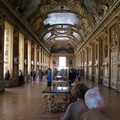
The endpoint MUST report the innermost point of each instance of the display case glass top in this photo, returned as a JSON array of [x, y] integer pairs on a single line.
[[57, 89]]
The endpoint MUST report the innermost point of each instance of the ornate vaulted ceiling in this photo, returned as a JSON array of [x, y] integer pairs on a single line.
[[62, 25]]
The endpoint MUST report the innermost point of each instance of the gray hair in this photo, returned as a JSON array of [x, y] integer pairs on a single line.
[[93, 97]]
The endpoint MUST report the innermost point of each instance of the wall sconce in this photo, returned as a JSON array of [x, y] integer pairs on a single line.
[[38, 63], [15, 59], [25, 61], [32, 62]]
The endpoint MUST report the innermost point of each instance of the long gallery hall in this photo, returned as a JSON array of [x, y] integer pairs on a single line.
[[62, 38], [25, 102]]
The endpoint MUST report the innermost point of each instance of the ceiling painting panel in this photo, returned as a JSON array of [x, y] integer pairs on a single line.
[[69, 21]]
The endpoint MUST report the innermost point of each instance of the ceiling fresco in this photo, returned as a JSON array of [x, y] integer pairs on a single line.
[[25, 7], [62, 48], [69, 21]]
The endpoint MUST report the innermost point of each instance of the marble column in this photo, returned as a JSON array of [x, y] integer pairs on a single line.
[[35, 57], [29, 56], [15, 79], [39, 58], [8, 56]]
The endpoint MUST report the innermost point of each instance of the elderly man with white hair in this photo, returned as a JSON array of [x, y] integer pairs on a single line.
[[95, 102]]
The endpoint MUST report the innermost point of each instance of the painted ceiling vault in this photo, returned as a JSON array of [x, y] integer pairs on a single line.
[[62, 25]]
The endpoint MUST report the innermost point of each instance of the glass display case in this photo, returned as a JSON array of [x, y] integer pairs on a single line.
[[60, 77], [56, 98], [60, 74]]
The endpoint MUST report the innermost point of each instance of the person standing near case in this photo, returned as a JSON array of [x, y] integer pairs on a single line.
[[7, 77], [49, 78]]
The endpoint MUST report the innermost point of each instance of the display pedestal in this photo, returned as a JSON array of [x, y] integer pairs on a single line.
[[48, 115], [55, 102]]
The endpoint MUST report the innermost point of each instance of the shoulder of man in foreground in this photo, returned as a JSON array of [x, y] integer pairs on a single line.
[[94, 115]]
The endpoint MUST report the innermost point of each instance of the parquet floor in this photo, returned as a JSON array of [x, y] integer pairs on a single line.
[[25, 101]]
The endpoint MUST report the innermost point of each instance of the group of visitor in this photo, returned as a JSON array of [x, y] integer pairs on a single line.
[[75, 73], [89, 104], [86, 104], [34, 74]]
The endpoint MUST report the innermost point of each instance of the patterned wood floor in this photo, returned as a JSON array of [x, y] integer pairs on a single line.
[[25, 101]]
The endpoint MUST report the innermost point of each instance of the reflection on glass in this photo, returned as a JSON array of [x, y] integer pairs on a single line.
[[60, 89], [57, 89]]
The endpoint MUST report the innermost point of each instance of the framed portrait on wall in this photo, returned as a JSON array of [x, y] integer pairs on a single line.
[[53, 62], [70, 61]]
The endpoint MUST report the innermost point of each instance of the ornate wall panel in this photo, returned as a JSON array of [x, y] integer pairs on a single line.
[[105, 61], [118, 38], [118, 41], [101, 58], [79, 60], [82, 60], [26, 50], [114, 57], [1, 54], [90, 63], [95, 60], [1, 40], [6, 55], [21, 52], [15, 80], [26, 57], [37, 58], [8, 50], [103, 65], [85, 62], [114, 69], [119, 72], [1, 77]]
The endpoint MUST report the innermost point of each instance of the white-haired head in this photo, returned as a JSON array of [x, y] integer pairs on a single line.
[[94, 99]]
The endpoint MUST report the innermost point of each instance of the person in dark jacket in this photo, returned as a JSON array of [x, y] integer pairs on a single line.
[[72, 76], [7, 79], [79, 74], [20, 77]]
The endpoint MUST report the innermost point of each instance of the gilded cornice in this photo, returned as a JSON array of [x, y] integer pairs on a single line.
[[15, 19], [112, 13]]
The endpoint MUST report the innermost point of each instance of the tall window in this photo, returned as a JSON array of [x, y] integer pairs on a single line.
[[62, 62]]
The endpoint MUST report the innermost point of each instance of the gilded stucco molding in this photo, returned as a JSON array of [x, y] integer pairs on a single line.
[[105, 21], [16, 20]]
